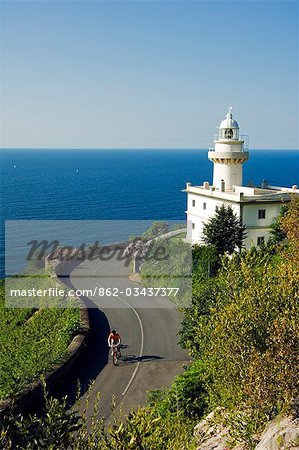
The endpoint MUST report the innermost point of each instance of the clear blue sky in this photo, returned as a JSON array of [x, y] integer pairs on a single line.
[[110, 74]]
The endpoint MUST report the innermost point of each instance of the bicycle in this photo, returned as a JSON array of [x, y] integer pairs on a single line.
[[115, 354]]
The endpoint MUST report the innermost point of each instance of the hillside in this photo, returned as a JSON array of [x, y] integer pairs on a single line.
[[242, 331], [31, 341]]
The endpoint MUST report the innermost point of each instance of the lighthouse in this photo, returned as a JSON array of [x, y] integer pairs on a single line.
[[228, 155], [257, 207]]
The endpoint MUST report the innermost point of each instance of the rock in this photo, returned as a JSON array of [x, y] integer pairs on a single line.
[[280, 434], [210, 435]]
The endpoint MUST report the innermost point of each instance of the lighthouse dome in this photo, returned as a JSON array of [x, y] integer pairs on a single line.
[[229, 122]]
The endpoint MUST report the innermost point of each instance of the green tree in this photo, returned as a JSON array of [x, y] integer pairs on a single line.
[[224, 230]]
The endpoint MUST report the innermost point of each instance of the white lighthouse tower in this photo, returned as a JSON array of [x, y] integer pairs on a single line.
[[228, 155]]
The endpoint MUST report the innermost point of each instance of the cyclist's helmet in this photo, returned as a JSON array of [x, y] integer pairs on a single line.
[[113, 331]]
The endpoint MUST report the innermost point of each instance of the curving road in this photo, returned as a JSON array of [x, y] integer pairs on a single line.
[[148, 326]]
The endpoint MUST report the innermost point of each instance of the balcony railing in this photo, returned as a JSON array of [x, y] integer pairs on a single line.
[[242, 137]]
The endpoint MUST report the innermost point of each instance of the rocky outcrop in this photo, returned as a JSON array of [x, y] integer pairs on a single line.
[[282, 433], [211, 435]]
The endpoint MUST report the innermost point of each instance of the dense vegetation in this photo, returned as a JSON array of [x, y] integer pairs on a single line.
[[32, 340], [242, 331], [244, 328], [144, 429]]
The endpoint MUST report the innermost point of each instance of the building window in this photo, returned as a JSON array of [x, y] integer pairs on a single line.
[[204, 206], [262, 214], [260, 240], [193, 225], [193, 202]]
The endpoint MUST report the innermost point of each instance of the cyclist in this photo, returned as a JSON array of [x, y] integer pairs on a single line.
[[114, 339]]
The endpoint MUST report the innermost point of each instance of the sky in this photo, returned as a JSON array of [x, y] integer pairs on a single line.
[[147, 74]]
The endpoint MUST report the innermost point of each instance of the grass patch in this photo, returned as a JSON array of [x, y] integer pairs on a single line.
[[29, 348]]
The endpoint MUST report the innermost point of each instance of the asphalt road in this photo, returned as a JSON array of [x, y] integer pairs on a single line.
[[151, 357]]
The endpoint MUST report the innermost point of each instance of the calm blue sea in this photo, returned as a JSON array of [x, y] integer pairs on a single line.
[[118, 184]]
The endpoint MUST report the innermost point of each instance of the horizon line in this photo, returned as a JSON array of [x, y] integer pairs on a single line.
[[136, 148]]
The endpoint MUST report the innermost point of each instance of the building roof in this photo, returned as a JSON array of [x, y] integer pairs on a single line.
[[242, 194]]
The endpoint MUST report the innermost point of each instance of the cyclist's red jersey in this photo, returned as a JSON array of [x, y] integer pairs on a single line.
[[115, 337]]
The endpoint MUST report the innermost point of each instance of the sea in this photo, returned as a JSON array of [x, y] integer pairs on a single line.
[[117, 185]]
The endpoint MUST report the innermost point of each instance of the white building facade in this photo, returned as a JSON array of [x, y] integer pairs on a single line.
[[257, 207]]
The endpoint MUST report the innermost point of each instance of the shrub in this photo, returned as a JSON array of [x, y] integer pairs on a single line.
[[157, 229], [186, 396]]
